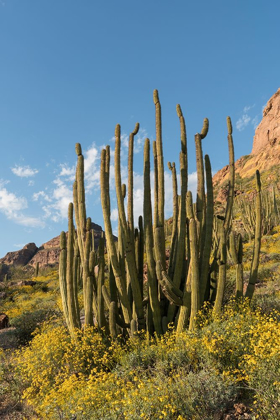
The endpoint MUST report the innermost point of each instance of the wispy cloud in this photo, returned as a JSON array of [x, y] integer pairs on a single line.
[[243, 122], [247, 118], [24, 171], [41, 195], [12, 206], [247, 108]]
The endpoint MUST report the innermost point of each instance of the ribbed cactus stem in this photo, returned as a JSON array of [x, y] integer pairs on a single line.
[[76, 279], [62, 276], [81, 194], [140, 253], [200, 197], [100, 282], [130, 254], [73, 322], [159, 231], [180, 251], [257, 241], [239, 268], [155, 185], [205, 128], [87, 278], [130, 182], [105, 201], [174, 236], [230, 198], [185, 309], [148, 232], [194, 267], [222, 270], [207, 242]]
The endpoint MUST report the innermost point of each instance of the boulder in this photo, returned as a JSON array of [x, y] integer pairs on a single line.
[[4, 321]]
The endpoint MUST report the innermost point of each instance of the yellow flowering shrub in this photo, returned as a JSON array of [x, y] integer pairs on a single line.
[[195, 375]]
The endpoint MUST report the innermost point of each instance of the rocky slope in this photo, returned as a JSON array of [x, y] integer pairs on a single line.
[[46, 255], [266, 146]]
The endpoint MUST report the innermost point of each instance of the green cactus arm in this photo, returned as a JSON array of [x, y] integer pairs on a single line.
[[140, 254], [159, 222], [112, 319], [130, 254], [87, 278], [222, 271], [155, 184], [232, 248], [200, 196], [174, 236], [148, 232], [105, 201], [100, 282], [185, 309], [230, 198], [257, 240], [207, 243], [73, 322], [194, 266], [239, 268], [130, 182], [180, 251], [205, 128], [62, 277], [76, 276], [77, 220], [172, 292]]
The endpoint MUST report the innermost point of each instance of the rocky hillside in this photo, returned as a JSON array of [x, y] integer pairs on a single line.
[[266, 148], [46, 255]]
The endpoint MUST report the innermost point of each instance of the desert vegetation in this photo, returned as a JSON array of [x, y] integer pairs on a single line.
[[175, 321]]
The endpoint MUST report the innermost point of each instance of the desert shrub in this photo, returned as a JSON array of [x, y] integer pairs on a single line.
[[196, 375], [27, 322]]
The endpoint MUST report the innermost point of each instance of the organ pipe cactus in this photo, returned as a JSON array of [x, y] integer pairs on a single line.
[[198, 250], [257, 240]]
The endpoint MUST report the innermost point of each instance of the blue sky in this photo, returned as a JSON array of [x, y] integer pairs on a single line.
[[71, 70]]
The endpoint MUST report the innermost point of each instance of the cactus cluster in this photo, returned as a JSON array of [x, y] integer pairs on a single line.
[[270, 212], [122, 301]]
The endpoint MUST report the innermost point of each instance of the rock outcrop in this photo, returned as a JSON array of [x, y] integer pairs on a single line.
[[21, 257], [266, 145], [46, 255], [268, 132]]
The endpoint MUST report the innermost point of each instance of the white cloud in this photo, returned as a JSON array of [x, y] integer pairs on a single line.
[[114, 215], [31, 183], [67, 171], [11, 206], [92, 168], [247, 108], [243, 122], [24, 171], [41, 194]]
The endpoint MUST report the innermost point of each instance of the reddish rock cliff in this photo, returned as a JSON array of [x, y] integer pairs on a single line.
[[266, 146], [268, 132]]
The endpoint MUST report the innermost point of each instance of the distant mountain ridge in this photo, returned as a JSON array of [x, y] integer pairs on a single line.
[[46, 255]]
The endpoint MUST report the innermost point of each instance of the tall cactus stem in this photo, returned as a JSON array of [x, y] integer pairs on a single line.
[[257, 240], [148, 232], [62, 277], [230, 199]]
